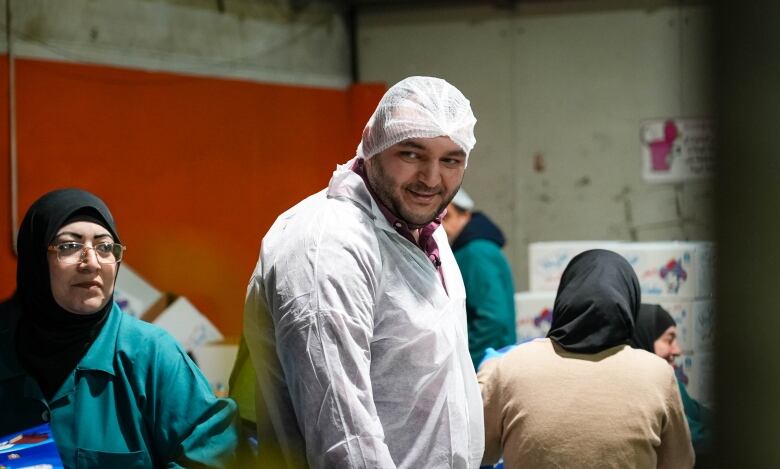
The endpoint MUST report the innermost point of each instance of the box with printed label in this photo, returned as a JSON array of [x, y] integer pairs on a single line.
[[533, 314], [671, 269], [135, 296], [703, 327], [187, 325], [695, 371]]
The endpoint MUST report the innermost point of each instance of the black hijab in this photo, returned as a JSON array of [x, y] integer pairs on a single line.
[[50, 341], [597, 301], [651, 322]]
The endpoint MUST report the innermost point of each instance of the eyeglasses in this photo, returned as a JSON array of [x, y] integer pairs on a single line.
[[74, 253]]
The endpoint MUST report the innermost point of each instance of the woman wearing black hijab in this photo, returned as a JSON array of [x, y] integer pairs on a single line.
[[581, 397], [116, 391], [656, 332]]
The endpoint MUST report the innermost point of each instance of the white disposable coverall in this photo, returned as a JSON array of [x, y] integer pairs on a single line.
[[356, 344]]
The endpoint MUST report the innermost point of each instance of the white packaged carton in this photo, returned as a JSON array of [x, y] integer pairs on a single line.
[[133, 294], [670, 269], [216, 360], [548, 260], [533, 314], [696, 373], [704, 324], [187, 325]]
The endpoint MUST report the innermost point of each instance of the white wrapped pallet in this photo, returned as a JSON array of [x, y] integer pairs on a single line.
[[703, 329], [671, 269], [187, 325], [533, 314], [548, 260], [696, 372], [134, 295]]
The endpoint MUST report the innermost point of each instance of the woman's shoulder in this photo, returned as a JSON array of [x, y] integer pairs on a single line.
[[140, 338], [645, 359], [646, 366]]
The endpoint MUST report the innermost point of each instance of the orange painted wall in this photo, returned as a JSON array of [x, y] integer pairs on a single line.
[[194, 169]]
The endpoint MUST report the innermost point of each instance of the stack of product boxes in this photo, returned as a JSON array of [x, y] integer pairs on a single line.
[[192, 329], [676, 275]]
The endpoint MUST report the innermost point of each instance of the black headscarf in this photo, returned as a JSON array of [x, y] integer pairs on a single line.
[[597, 301], [651, 322], [50, 340]]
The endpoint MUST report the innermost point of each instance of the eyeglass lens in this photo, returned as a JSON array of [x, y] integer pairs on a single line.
[[73, 253]]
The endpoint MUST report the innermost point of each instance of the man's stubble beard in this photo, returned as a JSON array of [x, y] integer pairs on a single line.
[[382, 187]]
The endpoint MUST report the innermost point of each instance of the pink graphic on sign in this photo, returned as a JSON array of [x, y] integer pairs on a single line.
[[661, 150]]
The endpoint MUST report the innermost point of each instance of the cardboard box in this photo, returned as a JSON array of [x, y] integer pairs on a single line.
[[696, 371], [137, 297], [187, 325], [533, 314], [671, 269], [704, 324], [548, 260], [215, 360]]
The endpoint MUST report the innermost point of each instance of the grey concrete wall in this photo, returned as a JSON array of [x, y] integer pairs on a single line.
[[250, 39], [559, 90]]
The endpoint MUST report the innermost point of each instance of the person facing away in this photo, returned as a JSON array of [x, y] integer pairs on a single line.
[[490, 293], [355, 315], [656, 332], [582, 397], [116, 391]]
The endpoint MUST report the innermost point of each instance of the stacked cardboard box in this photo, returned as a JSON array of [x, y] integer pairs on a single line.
[[191, 328], [676, 275]]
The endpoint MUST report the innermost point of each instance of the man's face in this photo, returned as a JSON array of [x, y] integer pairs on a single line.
[[418, 177]]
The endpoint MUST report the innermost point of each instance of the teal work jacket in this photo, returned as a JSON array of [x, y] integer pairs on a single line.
[[134, 400], [490, 297], [700, 420]]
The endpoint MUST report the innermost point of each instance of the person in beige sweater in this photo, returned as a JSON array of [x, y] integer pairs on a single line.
[[582, 397]]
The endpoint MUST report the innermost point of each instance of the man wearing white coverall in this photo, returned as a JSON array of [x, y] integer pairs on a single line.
[[355, 314]]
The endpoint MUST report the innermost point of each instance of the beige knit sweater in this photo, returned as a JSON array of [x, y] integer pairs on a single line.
[[548, 408]]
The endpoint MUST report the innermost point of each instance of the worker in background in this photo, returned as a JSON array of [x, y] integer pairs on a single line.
[[355, 317], [656, 332], [490, 293], [582, 397]]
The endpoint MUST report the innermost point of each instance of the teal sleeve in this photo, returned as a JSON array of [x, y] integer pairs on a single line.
[[699, 418], [489, 297], [191, 426]]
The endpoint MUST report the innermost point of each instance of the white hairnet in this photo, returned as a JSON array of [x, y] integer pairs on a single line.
[[419, 107], [463, 201]]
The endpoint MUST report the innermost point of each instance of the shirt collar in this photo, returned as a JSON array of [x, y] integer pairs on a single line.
[[100, 355]]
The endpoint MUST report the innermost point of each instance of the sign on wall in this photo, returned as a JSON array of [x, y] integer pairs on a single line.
[[675, 150]]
